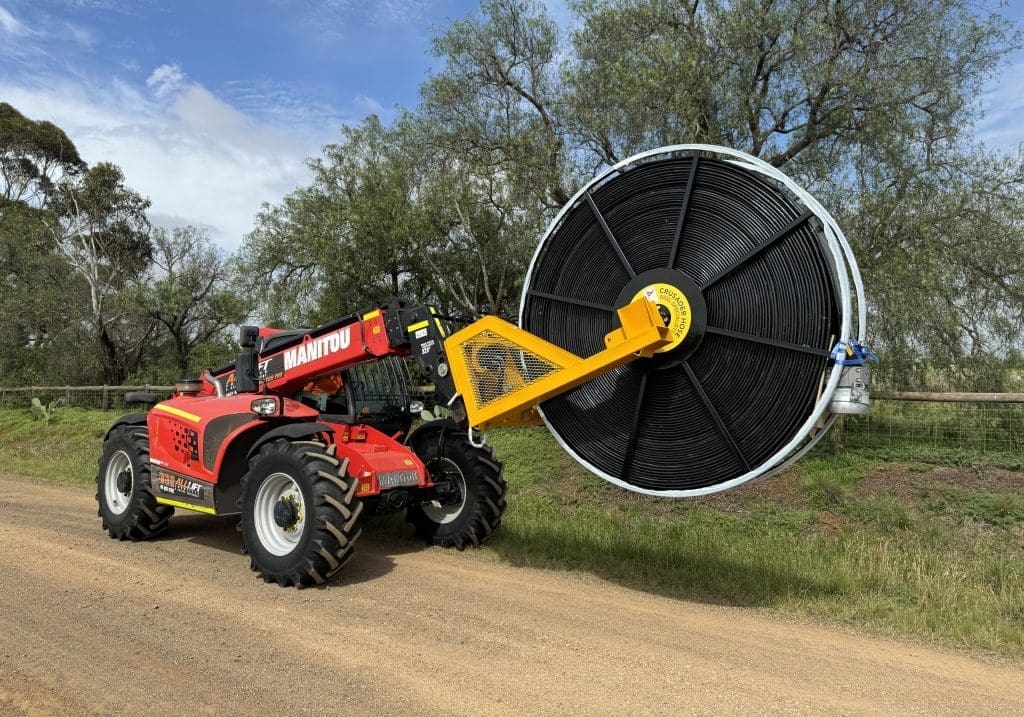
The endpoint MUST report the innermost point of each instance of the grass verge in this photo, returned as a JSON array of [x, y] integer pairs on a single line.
[[907, 543], [64, 449]]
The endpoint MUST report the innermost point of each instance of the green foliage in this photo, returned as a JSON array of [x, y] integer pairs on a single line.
[[33, 155], [191, 297], [129, 304], [495, 104], [343, 242], [437, 413], [815, 80], [44, 412], [41, 327], [381, 219], [65, 449]]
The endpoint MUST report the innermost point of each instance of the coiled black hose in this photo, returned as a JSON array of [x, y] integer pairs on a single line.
[[725, 402]]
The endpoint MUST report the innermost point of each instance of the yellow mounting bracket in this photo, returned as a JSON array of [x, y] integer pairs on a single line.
[[503, 372]]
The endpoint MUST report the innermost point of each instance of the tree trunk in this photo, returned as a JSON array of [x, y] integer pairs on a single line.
[[183, 356], [113, 366]]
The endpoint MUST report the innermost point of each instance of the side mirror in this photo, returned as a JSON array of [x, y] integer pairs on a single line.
[[247, 336]]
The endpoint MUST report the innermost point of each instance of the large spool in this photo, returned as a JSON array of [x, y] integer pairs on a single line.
[[757, 283]]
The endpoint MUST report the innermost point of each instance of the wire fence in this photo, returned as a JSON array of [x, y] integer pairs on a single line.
[[103, 398], [986, 423], [111, 398]]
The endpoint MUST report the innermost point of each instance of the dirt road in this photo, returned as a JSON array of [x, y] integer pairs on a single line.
[[180, 625]]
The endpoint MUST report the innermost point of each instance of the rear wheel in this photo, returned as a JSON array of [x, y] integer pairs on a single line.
[[127, 506], [300, 516], [470, 489]]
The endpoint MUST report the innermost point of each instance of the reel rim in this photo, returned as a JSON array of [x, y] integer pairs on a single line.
[[842, 265]]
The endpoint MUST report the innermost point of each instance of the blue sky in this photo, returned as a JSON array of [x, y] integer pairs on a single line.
[[211, 107]]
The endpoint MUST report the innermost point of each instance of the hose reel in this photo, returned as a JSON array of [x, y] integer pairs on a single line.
[[757, 286]]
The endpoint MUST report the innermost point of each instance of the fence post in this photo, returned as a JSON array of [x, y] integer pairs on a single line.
[[67, 396], [106, 398]]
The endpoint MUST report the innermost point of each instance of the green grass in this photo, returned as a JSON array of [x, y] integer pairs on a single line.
[[65, 449], [819, 542], [905, 542]]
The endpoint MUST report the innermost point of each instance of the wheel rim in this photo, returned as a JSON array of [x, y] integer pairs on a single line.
[[444, 514], [274, 538], [117, 501]]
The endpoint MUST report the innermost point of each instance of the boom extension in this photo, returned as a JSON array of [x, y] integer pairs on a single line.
[[489, 374], [502, 372]]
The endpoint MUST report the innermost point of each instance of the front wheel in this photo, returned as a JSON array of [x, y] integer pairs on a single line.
[[127, 506], [470, 489], [300, 516]]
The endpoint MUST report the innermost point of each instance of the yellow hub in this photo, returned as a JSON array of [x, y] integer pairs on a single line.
[[674, 309]]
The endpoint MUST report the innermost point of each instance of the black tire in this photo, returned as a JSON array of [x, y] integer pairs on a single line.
[[471, 522], [134, 515], [326, 505]]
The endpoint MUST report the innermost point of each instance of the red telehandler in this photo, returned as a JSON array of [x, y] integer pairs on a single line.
[[678, 335], [283, 437]]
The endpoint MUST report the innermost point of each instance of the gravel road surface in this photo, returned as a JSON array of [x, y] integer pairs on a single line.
[[180, 625]]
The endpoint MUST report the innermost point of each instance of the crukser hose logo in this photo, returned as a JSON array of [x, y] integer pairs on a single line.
[[674, 309]]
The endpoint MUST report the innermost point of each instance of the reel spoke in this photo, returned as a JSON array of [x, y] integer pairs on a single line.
[[674, 253], [767, 342], [714, 414], [569, 300], [634, 430], [780, 234], [609, 236]]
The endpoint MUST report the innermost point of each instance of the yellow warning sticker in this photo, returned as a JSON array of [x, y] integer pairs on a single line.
[[674, 309]]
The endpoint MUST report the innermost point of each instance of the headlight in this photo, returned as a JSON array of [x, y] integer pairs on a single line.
[[415, 407], [264, 406]]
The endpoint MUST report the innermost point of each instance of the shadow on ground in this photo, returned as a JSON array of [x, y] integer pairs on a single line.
[[704, 573], [381, 540]]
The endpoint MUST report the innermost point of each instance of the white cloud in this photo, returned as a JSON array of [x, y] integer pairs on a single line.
[[80, 34], [10, 24], [166, 79], [368, 105], [198, 158], [284, 104], [122, 6]]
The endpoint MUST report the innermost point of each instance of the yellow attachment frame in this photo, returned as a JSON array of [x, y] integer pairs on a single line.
[[503, 372]]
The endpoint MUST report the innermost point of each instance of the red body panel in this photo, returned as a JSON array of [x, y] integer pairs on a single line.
[[179, 430], [288, 370], [191, 435], [372, 453], [181, 440]]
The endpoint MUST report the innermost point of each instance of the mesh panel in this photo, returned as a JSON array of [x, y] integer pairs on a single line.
[[498, 367]]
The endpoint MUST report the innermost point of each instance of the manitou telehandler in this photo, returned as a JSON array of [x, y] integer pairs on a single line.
[[277, 435], [678, 335]]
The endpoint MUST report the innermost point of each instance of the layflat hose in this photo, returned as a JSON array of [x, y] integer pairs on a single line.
[[753, 275]]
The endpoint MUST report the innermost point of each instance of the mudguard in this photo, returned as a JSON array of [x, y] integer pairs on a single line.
[[293, 431], [129, 419]]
